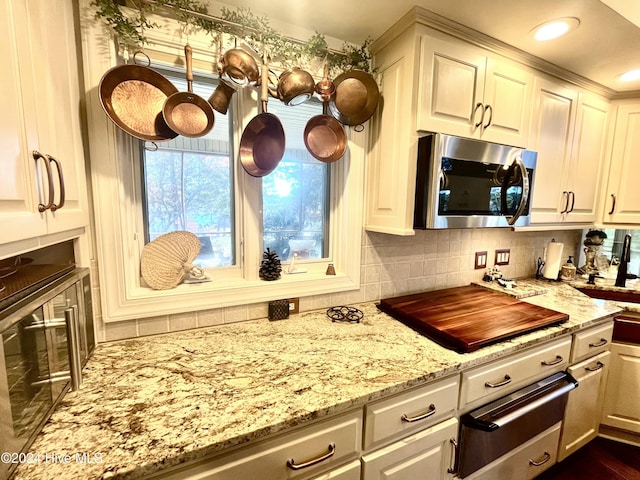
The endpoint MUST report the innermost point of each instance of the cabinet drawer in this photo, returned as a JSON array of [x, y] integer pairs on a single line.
[[498, 378], [591, 341], [525, 462], [430, 450], [336, 440], [411, 411], [351, 471]]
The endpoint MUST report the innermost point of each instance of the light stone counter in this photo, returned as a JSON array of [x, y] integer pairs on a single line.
[[154, 402]]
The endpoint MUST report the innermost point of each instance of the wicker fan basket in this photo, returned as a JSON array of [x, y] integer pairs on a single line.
[[167, 259]]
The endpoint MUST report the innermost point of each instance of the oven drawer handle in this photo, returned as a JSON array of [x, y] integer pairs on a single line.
[[432, 411], [558, 360], [506, 381], [601, 343], [298, 466], [545, 458], [598, 366]]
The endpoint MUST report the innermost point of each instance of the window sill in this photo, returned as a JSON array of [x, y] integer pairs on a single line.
[[145, 302]]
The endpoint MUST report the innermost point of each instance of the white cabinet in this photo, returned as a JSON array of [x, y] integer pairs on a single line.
[[621, 408], [622, 195], [525, 462], [569, 133], [428, 454], [41, 112], [463, 91], [582, 414], [488, 382], [591, 341], [301, 454]]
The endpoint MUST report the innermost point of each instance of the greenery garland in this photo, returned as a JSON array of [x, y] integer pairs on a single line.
[[256, 30]]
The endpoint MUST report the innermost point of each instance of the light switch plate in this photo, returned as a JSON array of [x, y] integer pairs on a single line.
[[502, 256], [481, 260]]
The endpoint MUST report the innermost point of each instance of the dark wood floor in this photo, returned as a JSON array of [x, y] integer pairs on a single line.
[[600, 459]]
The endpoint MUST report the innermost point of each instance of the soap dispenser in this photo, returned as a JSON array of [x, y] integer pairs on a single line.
[[568, 271]]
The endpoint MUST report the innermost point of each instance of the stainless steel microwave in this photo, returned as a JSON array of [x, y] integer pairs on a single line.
[[465, 183]]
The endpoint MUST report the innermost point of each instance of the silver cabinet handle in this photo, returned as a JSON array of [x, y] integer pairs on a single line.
[[73, 344], [432, 411], [506, 381], [475, 110], [598, 366], [60, 204], [545, 458], [601, 343], [454, 456], [558, 360], [613, 204], [37, 156], [298, 466], [490, 108]]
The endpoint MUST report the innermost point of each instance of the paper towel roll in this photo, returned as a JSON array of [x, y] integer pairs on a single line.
[[552, 260]]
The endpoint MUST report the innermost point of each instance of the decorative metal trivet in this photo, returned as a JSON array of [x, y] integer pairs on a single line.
[[345, 314]]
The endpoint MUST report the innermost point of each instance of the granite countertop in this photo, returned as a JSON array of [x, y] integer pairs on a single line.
[[154, 402]]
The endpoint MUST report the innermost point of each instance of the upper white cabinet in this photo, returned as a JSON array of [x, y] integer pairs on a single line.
[[43, 194], [569, 133], [622, 195], [463, 91]]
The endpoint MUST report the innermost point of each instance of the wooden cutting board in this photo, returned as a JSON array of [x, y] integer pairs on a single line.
[[468, 318]]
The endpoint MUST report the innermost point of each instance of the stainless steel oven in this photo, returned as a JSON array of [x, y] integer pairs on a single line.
[[499, 427], [47, 337]]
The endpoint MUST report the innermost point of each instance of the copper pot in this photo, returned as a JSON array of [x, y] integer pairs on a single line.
[[221, 97], [325, 138], [295, 86], [356, 97], [238, 67]]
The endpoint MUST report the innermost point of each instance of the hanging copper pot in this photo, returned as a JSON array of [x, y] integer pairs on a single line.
[[356, 97]]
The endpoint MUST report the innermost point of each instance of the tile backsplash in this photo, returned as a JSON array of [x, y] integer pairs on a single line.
[[391, 266]]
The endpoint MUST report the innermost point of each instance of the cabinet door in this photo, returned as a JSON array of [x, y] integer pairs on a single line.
[[589, 144], [18, 197], [622, 202], [450, 88], [508, 97], [426, 455], [551, 137], [582, 415], [48, 46], [621, 407]]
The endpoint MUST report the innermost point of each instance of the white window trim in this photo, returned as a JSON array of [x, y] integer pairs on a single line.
[[117, 204]]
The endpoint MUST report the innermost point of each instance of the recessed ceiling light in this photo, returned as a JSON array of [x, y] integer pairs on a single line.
[[630, 76], [555, 28]]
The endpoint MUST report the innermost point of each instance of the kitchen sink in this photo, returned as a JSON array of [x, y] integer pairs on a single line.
[[631, 295]]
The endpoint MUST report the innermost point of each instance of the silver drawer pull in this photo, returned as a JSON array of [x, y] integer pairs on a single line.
[[558, 360], [545, 458], [298, 466], [598, 366], [601, 343], [507, 380], [454, 456], [432, 411]]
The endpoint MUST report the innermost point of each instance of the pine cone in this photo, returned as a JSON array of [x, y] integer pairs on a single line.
[[270, 267]]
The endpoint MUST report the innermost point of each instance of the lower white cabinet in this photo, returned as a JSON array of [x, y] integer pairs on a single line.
[[351, 471], [621, 407], [302, 455], [427, 455], [582, 415], [525, 462]]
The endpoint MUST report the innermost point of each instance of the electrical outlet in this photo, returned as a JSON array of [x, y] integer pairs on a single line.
[[294, 305], [502, 256], [481, 260]]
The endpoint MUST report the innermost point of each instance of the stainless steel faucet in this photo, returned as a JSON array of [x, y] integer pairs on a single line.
[[625, 258]]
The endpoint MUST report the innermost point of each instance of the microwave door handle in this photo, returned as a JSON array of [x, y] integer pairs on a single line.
[[517, 162]]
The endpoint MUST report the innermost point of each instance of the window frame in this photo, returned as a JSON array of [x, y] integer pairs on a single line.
[[115, 161]]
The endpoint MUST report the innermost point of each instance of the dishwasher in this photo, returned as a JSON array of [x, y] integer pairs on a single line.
[[493, 430]]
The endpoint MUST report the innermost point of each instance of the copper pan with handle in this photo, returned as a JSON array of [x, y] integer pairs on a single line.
[[186, 113], [132, 96], [356, 97], [262, 143], [324, 136]]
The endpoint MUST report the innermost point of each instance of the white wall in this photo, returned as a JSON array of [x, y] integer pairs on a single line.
[[391, 266]]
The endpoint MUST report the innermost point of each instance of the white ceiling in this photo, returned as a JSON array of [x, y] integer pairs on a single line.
[[605, 44]]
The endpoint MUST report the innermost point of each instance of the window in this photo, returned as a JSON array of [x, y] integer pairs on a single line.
[[304, 200]]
